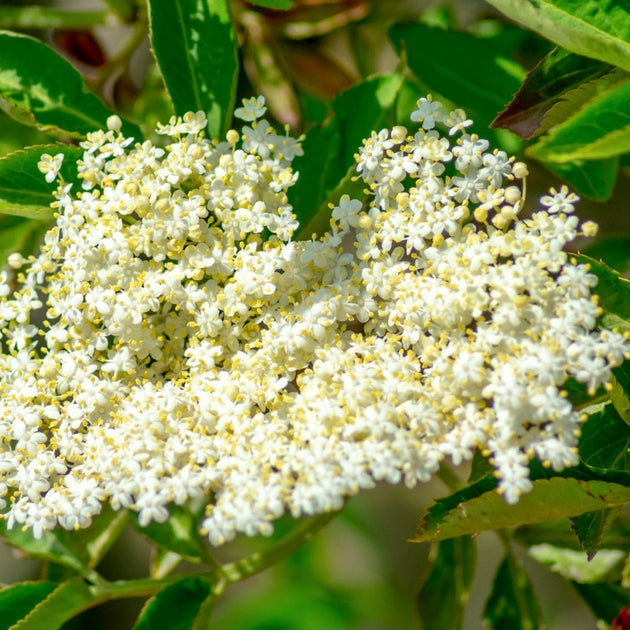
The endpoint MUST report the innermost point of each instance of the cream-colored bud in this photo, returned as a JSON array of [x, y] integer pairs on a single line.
[[590, 229], [399, 133], [114, 123], [232, 137], [513, 194]]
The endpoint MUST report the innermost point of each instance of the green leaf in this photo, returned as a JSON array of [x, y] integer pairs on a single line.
[[18, 235], [480, 80], [195, 46], [574, 565], [444, 594], [273, 4], [40, 88], [559, 85], [176, 607], [599, 130], [18, 600], [180, 533], [620, 392], [327, 166], [24, 190], [594, 179], [605, 600], [612, 249], [584, 27], [478, 508], [625, 573], [589, 528], [512, 604], [605, 441], [67, 600], [613, 291]]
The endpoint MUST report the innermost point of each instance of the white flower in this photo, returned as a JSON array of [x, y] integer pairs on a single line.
[[253, 108], [50, 166]]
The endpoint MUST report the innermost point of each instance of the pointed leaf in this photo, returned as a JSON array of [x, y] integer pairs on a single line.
[[194, 43], [18, 600], [512, 604], [67, 600], [584, 27], [444, 594], [473, 510], [574, 565], [176, 607], [600, 129], [40, 88], [589, 528], [594, 179], [24, 190], [561, 81], [480, 80]]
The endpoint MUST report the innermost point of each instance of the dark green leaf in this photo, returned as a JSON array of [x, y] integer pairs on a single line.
[[561, 80], [605, 600], [40, 88], [620, 392], [480, 80], [195, 46], [178, 534], [327, 166], [600, 129], [589, 528], [613, 291], [68, 599], [24, 190], [274, 4], [478, 508], [444, 594], [176, 607], [605, 441], [611, 249], [479, 468], [594, 179], [18, 600], [512, 604], [584, 27]]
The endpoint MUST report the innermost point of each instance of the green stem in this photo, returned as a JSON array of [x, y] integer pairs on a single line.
[[43, 17], [257, 562]]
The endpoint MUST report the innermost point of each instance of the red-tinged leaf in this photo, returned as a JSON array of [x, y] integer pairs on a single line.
[[561, 80]]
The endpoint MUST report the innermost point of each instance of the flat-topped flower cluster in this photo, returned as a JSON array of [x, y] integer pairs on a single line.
[[172, 342]]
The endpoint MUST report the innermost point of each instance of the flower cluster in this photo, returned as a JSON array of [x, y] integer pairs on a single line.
[[172, 342]]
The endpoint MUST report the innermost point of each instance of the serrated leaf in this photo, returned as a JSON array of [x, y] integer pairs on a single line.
[[474, 509], [583, 27], [605, 441], [594, 179], [176, 607], [561, 82], [512, 604], [17, 600], [480, 80], [194, 43], [329, 148], [599, 130], [574, 565], [41, 89], [68, 599], [589, 529], [23, 189], [178, 534], [445, 592], [605, 600], [613, 291]]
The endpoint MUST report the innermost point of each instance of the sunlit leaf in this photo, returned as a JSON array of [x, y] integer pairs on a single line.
[[574, 565], [445, 592], [479, 508], [195, 46], [273, 4], [176, 607], [512, 604], [40, 88], [583, 27], [599, 130]]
